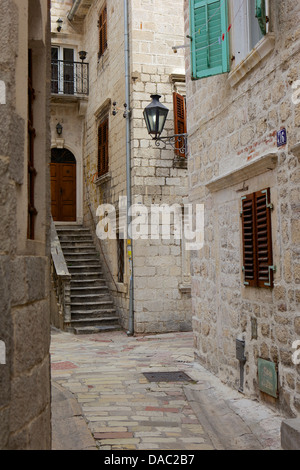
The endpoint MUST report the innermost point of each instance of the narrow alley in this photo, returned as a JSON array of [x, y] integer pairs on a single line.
[[115, 405]]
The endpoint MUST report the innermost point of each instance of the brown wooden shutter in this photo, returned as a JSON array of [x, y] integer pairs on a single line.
[[103, 148], [257, 239], [249, 248], [102, 31], [264, 239], [179, 119]]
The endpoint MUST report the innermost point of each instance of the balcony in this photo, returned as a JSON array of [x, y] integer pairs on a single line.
[[69, 79]]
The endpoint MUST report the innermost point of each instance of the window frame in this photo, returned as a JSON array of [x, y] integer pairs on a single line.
[[120, 258], [223, 67], [180, 121], [64, 85], [245, 23], [103, 147], [102, 25], [258, 268]]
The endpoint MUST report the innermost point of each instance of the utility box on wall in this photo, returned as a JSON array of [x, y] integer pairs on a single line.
[[267, 377]]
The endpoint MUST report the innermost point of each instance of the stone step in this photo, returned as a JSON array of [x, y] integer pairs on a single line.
[[74, 233], [88, 289], [83, 261], [75, 239], [92, 309], [84, 255], [86, 276], [89, 330], [89, 298], [72, 249], [85, 269], [66, 246], [97, 313], [92, 282], [88, 319], [71, 229], [86, 306]]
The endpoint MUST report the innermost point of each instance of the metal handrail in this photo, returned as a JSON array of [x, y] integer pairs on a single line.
[[69, 78]]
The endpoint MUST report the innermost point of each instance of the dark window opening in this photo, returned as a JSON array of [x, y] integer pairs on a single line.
[[102, 31], [120, 254], [32, 212], [103, 148]]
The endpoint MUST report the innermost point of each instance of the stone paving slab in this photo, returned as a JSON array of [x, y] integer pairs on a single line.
[[124, 411]]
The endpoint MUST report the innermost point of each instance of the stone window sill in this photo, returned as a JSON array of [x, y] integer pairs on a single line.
[[254, 168], [103, 179], [258, 53]]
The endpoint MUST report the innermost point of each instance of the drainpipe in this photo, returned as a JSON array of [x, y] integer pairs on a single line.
[[73, 10], [127, 113]]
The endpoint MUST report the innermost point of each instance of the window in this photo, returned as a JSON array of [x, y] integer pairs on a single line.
[[120, 254], [248, 29], [210, 31], [102, 31], [103, 148], [257, 239], [179, 121], [62, 70], [209, 48]]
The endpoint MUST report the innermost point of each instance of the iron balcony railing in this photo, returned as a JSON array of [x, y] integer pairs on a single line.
[[69, 78]]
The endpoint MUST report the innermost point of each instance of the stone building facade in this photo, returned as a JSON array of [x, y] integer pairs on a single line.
[[238, 120], [161, 273], [24, 234]]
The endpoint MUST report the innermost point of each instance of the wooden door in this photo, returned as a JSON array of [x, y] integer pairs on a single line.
[[63, 190]]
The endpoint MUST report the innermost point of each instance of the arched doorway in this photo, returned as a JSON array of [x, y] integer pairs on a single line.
[[63, 185]]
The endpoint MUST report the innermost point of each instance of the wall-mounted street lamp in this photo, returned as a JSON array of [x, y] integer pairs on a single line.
[[59, 24], [59, 129], [82, 55], [155, 115]]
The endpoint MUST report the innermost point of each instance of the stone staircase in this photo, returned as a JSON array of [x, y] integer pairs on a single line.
[[92, 310]]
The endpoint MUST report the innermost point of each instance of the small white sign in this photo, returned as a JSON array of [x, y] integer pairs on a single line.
[[2, 92]]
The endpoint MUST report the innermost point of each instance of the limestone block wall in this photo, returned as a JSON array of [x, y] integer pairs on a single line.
[[25, 412], [159, 266], [107, 85], [231, 125]]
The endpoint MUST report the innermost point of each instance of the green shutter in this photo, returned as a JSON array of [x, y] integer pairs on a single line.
[[260, 13], [208, 22]]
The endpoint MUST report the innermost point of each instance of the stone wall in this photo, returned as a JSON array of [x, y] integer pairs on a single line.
[[159, 266], [24, 264], [232, 123]]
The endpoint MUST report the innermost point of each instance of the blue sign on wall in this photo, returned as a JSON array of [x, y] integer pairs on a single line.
[[281, 137]]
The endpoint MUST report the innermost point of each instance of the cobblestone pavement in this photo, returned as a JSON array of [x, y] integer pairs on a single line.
[[125, 410]]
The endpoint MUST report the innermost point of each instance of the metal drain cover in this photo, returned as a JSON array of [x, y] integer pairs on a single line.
[[167, 377]]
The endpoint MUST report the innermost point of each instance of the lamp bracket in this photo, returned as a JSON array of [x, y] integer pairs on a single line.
[[177, 141]]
